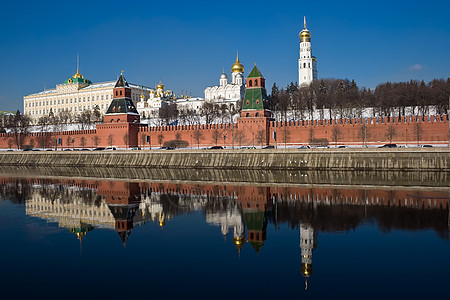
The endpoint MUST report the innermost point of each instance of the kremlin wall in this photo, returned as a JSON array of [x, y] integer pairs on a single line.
[[255, 127]]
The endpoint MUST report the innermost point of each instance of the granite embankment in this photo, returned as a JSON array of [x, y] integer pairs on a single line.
[[413, 159]]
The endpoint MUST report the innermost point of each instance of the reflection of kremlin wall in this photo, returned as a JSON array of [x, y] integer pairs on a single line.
[[121, 205]]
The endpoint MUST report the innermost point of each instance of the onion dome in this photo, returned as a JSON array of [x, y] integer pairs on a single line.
[[305, 35], [237, 67], [223, 76], [160, 86], [239, 242]]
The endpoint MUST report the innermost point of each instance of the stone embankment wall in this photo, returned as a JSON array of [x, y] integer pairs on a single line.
[[419, 159]]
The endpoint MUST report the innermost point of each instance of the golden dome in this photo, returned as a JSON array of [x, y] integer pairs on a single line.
[[78, 75], [237, 67], [305, 35], [160, 86]]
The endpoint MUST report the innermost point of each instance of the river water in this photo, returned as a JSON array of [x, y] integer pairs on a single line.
[[197, 234]]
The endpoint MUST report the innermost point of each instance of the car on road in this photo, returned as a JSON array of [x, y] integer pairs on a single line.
[[215, 147], [99, 149], [427, 146], [111, 148], [304, 147], [342, 147], [136, 148], [269, 147], [388, 146]]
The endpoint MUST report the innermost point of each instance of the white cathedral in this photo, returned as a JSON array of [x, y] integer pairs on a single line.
[[228, 93], [307, 64]]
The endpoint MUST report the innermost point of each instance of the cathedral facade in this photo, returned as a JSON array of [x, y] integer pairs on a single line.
[[229, 93], [307, 64]]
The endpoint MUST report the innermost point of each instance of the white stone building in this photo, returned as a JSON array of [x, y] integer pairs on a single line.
[[75, 95], [150, 103], [307, 64], [228, 93]]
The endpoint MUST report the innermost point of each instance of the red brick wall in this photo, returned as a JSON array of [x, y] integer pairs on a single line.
[[434, 131]]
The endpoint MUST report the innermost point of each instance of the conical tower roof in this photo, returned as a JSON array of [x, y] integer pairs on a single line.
[[121, 82]]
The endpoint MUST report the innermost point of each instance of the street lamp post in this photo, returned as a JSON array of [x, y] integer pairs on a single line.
[[224, 138]]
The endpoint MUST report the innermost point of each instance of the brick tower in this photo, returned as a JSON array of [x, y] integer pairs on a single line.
[[255, 114], [122, 120]]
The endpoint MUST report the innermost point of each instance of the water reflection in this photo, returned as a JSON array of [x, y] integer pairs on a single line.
[[240, 211]]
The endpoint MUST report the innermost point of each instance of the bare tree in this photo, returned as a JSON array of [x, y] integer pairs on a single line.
[[110, 140], [210, 111], [311, 134], [178, 136], [168, 113], [85, 119], [215, 136], [418, 132], [261, 137], [97, 114], [364, 134], [335, 135], [83, 141], [126, 139], [160, 139], [43, 124], [239, 137], [285, 136], [197, 135], [391, 133], [19, 125], [96, 141], [10, 143]]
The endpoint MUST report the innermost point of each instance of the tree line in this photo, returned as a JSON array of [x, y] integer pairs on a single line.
[[342, 98]]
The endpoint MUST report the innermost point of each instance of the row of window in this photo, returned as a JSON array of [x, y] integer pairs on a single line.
[[75, 109], [67, 101]]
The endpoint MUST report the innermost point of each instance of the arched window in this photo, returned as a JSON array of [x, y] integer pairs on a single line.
[[247, 115], [256, 82], [257, 115], [304, 65], [250, 82]]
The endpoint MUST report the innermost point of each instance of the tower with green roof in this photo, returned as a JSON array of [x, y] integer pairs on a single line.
[[255, 103], [255, 113]]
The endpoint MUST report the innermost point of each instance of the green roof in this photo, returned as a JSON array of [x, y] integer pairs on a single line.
[[255, 73], [255, 221], [121, 106], [255, 99], [77, 80]]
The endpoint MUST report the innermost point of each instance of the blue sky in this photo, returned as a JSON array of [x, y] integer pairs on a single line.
[[187, 43]]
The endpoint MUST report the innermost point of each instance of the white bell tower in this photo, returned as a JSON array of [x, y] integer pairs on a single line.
[[307, 64]]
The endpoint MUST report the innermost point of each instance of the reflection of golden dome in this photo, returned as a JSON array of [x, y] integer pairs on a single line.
[[239, 242], [237, 67], [160, 86], [161, 221]]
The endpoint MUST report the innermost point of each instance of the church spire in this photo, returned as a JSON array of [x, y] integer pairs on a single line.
[[304, 22]]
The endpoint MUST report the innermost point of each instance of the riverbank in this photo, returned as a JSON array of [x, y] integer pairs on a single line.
[[419, 159]]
